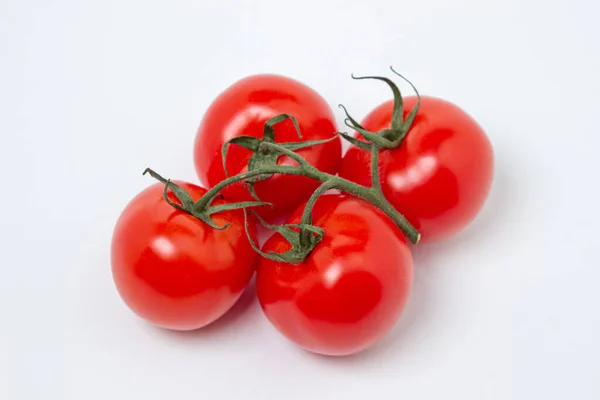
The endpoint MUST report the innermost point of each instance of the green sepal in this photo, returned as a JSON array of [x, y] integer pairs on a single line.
[[298, 252], [392, 137], [247, 142], [250, 187], [236, 206], [398, 102], [309, 143], [264, 156], [183, 196], [372, 137], [356, 142], [349, 117], [269, 130], [410, 118], [197, 209]]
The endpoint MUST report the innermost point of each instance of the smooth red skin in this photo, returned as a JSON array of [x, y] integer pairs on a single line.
[[440, 177], [350, 290], [174, 270], [242, 109]]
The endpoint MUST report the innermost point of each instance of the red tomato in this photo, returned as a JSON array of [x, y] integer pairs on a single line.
[[174, 270], [440, 176], [242, 109], [350, 290]]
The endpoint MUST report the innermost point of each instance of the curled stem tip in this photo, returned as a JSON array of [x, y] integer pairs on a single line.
[[406, 80]]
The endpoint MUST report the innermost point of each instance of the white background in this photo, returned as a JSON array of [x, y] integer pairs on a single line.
[[91, 93]]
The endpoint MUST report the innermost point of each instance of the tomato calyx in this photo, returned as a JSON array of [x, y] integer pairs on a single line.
[[303, 238], [264, 156], [200, 209], [387, 138]]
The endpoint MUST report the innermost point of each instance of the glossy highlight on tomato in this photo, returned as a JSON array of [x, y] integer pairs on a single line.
[[242, 109], [441, 174], [174, 270], [350, 290]]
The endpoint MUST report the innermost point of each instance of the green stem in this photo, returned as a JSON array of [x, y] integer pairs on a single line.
[[372, 195], [307, 213], [375, 179], [384, 205], [209, 196], [305, 236], [305, 165], [399, 127]]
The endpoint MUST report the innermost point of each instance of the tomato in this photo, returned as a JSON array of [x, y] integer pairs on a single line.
[[350, 290], [174, 270], [441, 174], [242, 109]]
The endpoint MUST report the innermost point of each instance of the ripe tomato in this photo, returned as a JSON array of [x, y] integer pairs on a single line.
[[440, 176], [350, 290], [242, 109], [174, 270]]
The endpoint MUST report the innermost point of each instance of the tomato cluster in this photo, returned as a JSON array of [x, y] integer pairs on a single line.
[[337, 275]]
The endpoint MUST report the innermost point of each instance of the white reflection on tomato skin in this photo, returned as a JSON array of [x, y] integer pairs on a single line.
[[412, 176], [332, 275], [163, 247]]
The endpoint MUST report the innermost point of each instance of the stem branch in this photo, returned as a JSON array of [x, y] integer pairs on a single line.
[[372, 194], [376, 181], [307, 213], [276, 169]]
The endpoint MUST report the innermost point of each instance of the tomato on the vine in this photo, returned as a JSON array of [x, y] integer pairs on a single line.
[[174, 270], [242, 109], [352, 287], [440, 175]]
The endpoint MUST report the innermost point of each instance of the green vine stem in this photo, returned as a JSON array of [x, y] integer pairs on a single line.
[[375, 179], [204, 211], [393, 137], [303, 237], [371, 194]]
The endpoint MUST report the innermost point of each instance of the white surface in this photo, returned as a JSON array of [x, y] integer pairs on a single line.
[[93, 92]]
